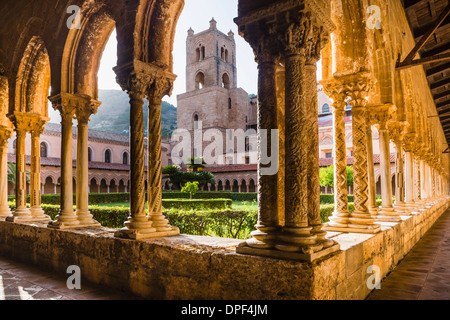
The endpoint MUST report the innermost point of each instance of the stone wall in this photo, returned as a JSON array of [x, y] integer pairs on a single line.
[[195, 267]]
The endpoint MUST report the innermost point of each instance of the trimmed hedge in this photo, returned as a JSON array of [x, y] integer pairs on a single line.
[[235, 196], [213, 222], [196, 204]]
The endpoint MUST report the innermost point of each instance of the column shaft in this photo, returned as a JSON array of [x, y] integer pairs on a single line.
[[296, 201], [35, 181], [5, 211], [154, 167], [268, 221], [82, 187], [371, 170], [385, 168], [21, 176], [340, 214]]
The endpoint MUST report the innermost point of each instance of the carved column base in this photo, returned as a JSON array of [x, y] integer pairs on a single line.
[[387, 215], [5, 212], [142, 228], [373, 211], [297, 254], [140, 234], [85, 219], [65, 221], [402, 209], [20, 215], [289, 243], [160, 223], [353, 223], [39, 215]]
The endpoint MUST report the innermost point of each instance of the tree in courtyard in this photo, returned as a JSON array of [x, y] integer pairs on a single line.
[[326, 176], [191, 188]]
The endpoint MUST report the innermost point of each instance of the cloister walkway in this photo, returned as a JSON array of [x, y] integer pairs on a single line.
[[19, 281], [424, 273]]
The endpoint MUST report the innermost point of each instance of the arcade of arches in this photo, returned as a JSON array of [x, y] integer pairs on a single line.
[[293, 253]]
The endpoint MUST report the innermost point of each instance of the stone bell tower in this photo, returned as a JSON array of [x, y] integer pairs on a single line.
[[211, 59], [212, 97]]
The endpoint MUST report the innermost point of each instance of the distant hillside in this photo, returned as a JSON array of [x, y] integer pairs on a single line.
[[114, 114]]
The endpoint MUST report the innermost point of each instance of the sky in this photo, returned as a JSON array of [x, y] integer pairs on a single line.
[[196, 15]]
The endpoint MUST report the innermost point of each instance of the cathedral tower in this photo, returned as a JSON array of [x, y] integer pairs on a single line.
[[212, 96]]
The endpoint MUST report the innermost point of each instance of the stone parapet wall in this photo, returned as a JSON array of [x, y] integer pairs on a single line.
[[196, 267]]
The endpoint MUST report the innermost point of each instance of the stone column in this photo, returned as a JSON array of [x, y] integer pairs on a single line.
[[357, 87], [5, 134], [138, 225], [35, 176], [83, 113], [387, 212], [340, 217], [268, 212], [161, 86], [297, 229], [423, 179], [373, 210], [296, 33], [312, 122], [66, 105], [21, 213], [410, 183]]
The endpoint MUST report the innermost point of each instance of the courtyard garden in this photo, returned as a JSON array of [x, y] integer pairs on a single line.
[[220, 214]]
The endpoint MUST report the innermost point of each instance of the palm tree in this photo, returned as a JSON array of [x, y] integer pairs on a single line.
[[12, 173]]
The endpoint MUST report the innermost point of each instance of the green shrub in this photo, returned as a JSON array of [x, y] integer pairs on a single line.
[[220, 223], [196, 204]]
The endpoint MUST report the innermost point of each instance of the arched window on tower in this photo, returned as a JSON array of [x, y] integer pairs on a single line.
[[199, 80], [326, 108], [229, 103], [226, 56], [89, 154], [225, 81], [197, 56], [196, 119], [125, 158], [108, 156], [43, 150], [222, 53], [203, 53]]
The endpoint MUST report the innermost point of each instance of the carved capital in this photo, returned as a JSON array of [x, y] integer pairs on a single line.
[[29, 122], [5, 133], [335, 91], [291, 26], [142, 79], [382, 114], [357, 87], [83, 113], [161, 86]]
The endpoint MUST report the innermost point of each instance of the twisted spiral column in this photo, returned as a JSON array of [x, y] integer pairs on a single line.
[[360, 220], [159, 222], [138, 222], [340, 216]]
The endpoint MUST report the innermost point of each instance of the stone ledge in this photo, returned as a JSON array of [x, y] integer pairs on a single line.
[[196, 267]]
